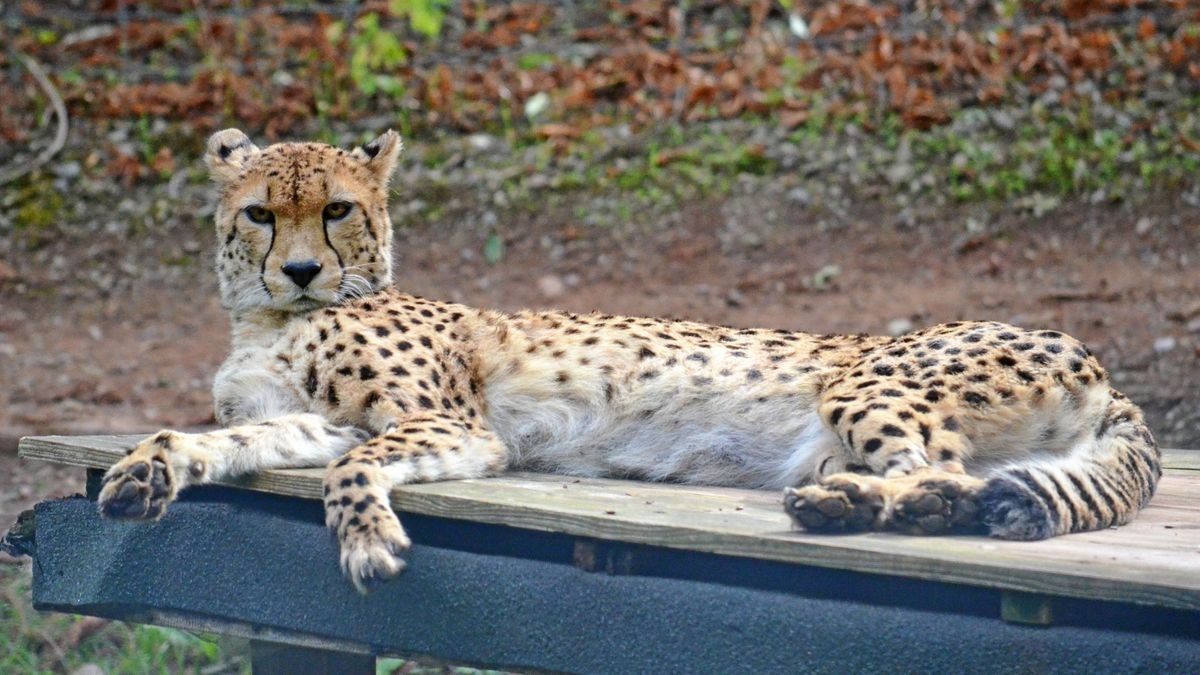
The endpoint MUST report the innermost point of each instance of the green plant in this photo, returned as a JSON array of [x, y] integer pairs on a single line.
[[373, 52], [425, 16]]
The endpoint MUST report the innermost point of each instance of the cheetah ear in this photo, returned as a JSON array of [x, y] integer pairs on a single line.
[[380, 155], [227, 153]]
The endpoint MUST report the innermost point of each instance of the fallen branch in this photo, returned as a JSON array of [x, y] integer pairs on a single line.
[[1080, 296], [60, 111]]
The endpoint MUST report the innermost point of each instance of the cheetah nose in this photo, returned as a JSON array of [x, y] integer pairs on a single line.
[[302, 272]]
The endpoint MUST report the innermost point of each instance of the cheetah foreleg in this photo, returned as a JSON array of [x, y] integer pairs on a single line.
[[148, 479], [415, 448]]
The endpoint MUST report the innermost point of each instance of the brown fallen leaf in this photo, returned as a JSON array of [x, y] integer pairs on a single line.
[[556, 130], [83, 629]]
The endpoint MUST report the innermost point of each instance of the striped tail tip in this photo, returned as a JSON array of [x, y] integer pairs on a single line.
[[1011, 510]]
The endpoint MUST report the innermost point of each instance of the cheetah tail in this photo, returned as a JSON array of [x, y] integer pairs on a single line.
[[1102, 483]]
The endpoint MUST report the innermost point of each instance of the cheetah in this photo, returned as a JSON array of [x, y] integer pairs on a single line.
[[961, 427]]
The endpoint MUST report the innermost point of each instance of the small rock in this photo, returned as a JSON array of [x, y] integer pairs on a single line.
[[1003, 120], [824, 277], [900, 172], [88, 669], [1143, 226], [481, 142], [899, 326], [1164, 344], [551, 286], [1183, 314], [799, 196], [67, 170]]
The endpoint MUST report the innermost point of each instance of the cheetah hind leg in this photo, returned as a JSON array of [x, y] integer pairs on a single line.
[[927, 501]]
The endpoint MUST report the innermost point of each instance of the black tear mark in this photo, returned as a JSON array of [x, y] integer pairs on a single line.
[[369, 227]]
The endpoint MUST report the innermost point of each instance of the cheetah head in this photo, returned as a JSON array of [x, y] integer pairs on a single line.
[[301, 225]]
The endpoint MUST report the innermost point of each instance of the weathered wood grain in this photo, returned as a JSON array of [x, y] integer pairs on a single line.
[[1154, 561]]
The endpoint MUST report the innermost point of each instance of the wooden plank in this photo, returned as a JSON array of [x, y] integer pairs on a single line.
[[1181, 460], [1154, 561]]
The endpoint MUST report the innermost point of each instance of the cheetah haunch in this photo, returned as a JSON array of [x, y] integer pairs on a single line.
[[958, 427]]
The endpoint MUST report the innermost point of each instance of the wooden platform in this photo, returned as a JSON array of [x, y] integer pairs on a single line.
[[1154, 561]]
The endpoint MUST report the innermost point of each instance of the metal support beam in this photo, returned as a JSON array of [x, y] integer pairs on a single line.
[[274, 658], [1031, 609]]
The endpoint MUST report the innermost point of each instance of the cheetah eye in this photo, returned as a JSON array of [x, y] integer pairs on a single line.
[[336, 210], [260, 215]]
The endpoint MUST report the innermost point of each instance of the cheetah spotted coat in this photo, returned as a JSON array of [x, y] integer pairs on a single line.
[[960, 427]]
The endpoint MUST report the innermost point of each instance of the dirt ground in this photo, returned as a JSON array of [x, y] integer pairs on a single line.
[[1124, 280]]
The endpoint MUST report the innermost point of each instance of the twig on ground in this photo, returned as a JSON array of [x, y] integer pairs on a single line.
[[60, 112]]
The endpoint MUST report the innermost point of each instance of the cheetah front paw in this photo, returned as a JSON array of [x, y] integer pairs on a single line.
[[140, 486], [370, 536], [840, 503]]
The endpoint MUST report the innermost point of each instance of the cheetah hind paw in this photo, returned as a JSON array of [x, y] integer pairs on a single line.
[[840, 503], [937, 506]]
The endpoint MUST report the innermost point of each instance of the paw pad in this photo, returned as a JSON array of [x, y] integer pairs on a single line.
[[140, 490], [935, 507], [826, 508]]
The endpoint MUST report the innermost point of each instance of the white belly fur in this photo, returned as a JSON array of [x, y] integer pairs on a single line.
[[712, 441]]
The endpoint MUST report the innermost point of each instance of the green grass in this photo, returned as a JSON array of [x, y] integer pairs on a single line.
[[47, 642]]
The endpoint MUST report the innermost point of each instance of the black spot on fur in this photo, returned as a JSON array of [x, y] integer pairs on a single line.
[[310, 383], [976, 399]]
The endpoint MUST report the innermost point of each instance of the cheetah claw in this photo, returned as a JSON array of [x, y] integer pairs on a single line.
[[370, 550]]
